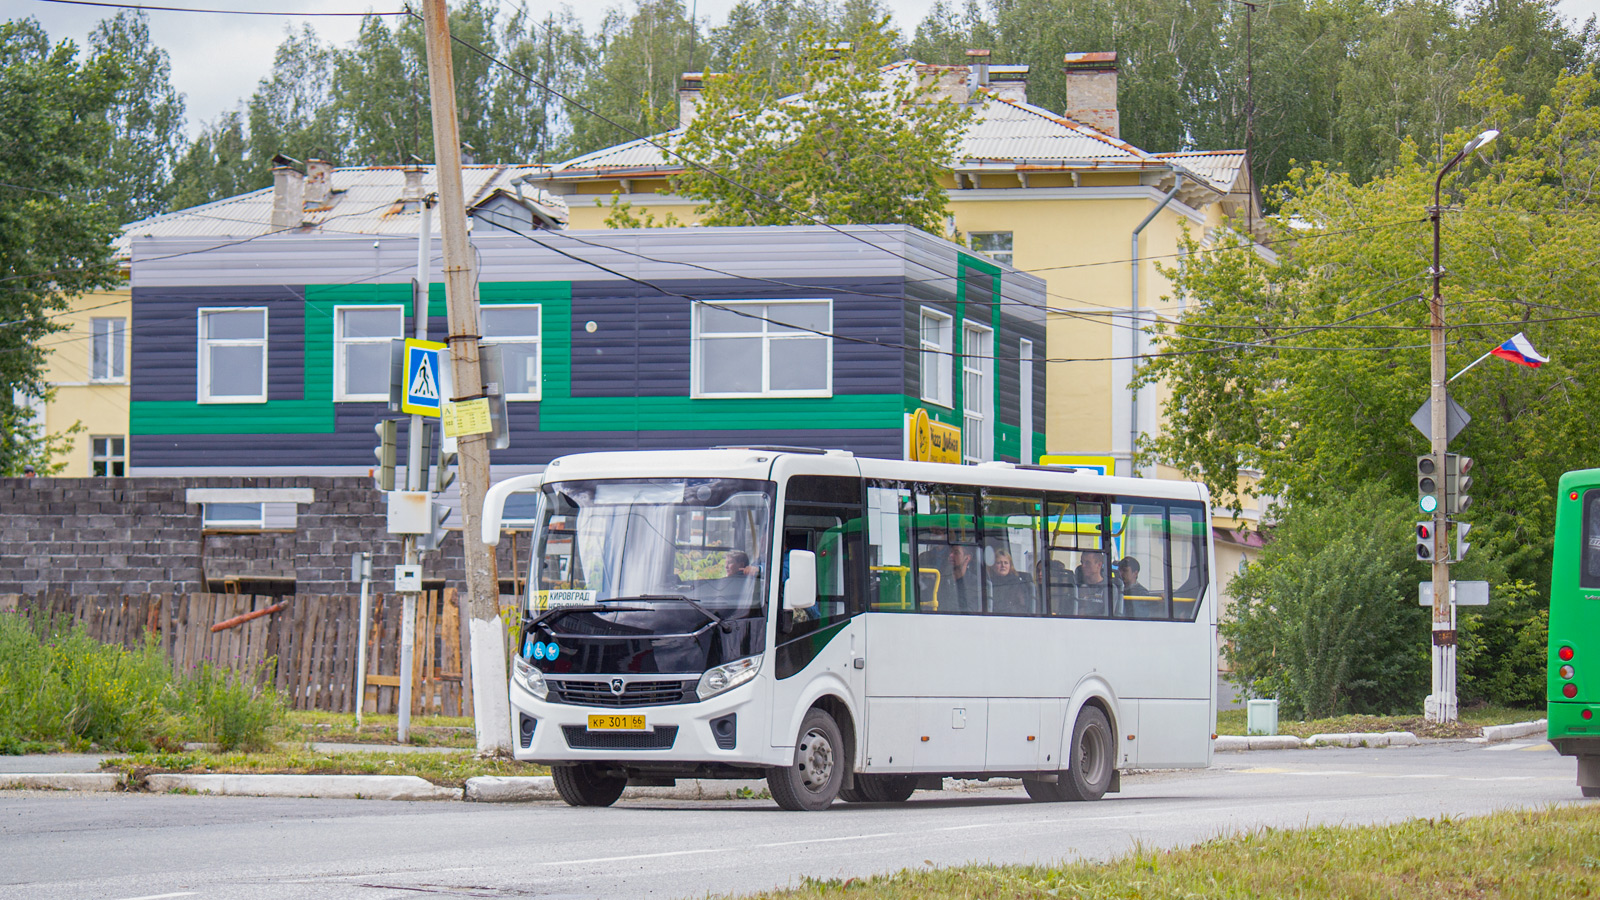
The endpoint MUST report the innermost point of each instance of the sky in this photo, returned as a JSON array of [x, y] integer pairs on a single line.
[[218, 59]]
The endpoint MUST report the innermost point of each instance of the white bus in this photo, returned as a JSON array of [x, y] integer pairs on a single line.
[[859, 628]]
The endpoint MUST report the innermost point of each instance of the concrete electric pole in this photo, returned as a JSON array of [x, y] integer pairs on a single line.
[[491, 708]]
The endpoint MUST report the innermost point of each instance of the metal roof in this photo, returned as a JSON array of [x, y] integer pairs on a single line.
[[1219, 168], [1003, 131], [364, 200]]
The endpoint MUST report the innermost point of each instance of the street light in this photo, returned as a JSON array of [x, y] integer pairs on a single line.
[[1441, 706]]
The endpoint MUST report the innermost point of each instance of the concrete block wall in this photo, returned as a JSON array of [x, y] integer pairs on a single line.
[[106, 536]]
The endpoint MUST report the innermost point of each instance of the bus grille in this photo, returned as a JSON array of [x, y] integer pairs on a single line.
[[634, 693], [580, 738]]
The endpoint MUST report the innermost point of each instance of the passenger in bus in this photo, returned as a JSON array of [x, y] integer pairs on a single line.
[[1096, 594], [961, 591], [737, 564], [1128, 571], [1012, 590]]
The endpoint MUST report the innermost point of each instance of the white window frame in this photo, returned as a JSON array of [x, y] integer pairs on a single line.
[[977, 420], [538, 347], [109, 458], [209, 524], [114, 352], [340, 342], [699, 338], [938, 357], [202, 344], [999, 256]]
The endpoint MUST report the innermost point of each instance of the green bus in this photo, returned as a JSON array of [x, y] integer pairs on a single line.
[[1574, 676]]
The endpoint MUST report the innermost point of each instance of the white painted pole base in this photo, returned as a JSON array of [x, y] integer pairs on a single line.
[[1441, 704], [408, 645], [491, 701]]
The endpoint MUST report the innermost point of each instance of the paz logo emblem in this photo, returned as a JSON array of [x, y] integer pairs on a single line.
[[616, 686]]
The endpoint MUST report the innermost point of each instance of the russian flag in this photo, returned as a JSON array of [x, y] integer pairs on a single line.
[[1520, 351]]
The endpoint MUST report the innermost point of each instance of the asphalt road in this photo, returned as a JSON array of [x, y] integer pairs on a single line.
[[124, 846]]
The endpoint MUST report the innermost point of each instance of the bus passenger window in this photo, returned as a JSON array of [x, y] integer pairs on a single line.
[[1188, 562], [1589, 573], [891, 564], [1141, 572], [1011, 553]]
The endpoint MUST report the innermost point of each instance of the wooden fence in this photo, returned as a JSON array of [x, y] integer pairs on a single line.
[[306, 646]]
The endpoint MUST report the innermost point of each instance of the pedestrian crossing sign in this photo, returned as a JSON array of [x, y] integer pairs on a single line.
[[424, 395]]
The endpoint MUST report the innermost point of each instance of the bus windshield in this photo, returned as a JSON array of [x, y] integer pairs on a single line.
[[698, 541]]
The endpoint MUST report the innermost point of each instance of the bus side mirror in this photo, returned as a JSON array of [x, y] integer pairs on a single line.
[[800, 588]]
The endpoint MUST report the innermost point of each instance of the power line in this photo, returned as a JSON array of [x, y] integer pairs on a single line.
[[224, 12]]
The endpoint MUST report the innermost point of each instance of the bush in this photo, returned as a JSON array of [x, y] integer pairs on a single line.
[[1326, 618], [1502, 658], [60, 687]]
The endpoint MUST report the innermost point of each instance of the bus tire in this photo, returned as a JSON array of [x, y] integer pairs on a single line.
[[854, 794], [816, 776], [587, 785], [888, 788], [1093, 758], [1044, 791]]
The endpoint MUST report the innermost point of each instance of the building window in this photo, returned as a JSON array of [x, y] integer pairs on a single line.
[[232, 516], [938, 348], [994, 244], [108, 456], [361, 339], [744, 349], [977, 392], [233, 355], [108, 343], [515, 329]]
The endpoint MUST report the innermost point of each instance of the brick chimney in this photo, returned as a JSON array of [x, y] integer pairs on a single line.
[[1092, 90], [689, 87], [288, 192], [318, 185], [977, 72]]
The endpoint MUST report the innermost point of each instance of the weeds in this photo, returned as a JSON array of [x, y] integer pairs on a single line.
[[60, 688]]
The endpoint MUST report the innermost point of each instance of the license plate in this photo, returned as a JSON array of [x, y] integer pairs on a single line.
[[616, 723]]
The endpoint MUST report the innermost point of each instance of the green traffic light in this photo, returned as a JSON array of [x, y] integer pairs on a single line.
[[1428, 502]]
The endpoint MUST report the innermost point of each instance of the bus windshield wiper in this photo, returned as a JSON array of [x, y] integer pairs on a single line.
[[584, 607], [679, 598]]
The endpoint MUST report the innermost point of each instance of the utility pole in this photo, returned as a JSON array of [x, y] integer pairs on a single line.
[[491, 708], [1441, 704]]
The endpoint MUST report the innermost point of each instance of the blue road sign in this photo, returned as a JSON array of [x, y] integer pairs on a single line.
[[424, 394]]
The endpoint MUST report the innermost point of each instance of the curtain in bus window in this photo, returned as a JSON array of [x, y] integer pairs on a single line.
[[1589, 577], [1188, 527], [1141, 570], [1011, 552], [891, 563]]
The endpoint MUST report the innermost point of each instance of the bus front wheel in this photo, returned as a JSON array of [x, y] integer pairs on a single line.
[[587, 785], [816, 776], [1091, 763]]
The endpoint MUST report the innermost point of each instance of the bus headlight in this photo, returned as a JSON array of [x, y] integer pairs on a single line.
[[727, 676], [529, 677]]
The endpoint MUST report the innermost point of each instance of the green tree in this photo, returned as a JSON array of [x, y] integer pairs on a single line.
[[1309, 369], [855, 146], [55, 242], [639, 59], [292, 110], [146, 119], [1326, 618], [217, 165], [527, 121]]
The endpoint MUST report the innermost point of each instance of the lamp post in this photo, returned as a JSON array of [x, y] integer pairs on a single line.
[[1441, 704]]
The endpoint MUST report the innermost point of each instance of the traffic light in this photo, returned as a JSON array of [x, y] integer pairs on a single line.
[[1424, 542], [1461, 539], [1457, 483], [434, 538], [383, 474], [1428, 487], [444, 469]]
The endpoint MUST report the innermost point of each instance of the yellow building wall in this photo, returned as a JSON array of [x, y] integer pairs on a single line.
[[100, 405]]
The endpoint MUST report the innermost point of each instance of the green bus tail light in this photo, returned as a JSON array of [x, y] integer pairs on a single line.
[[1569, 690], [1566, 672], [1565, 653]]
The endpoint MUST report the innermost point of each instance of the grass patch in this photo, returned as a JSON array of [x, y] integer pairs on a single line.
[[61, 689], [1233, 721], [1545, 855], [341, 728], [446, 769]]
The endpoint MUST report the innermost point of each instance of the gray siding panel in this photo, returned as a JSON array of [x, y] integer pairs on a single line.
[[164, 347]]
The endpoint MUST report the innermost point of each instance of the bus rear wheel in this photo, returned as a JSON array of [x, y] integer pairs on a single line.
[[816, 776], [1091, 763], [587, 785], [886, 788]]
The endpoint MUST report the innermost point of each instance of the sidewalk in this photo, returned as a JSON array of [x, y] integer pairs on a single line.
[[81, 772]]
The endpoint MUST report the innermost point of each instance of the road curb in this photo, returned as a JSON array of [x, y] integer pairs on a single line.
[[1495, 733], [62, 781], [337, 787], [530, 788]]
